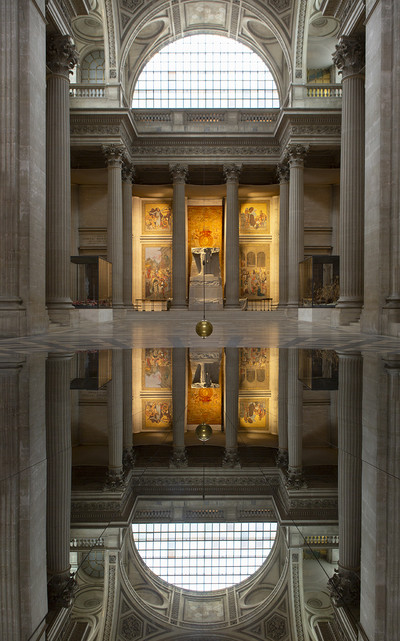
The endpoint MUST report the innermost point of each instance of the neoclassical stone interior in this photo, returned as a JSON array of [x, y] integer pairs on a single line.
[[120, 229]]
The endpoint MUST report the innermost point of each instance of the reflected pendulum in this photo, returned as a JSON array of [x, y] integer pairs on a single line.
[[204, 327]]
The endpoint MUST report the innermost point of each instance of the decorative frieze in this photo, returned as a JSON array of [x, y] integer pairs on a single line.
[[203, 150]]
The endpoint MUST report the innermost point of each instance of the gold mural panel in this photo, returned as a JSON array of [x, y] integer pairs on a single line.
[[157, 414], [157, 218], [157, 272], [254, 368], [255, 278], [156, 368], [253, 413], [204, 404], [255, 218], [205, 229]]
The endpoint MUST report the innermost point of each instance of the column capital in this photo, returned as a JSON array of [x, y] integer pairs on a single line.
[[349, 56], [128, 172], [283, 172], [179, 173], [231, 458], [232, 173], [179, 458], [61, 54], [344, 587], [114, 155], [296, 154]]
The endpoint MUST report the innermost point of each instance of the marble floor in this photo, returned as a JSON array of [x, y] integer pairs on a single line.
[[177, 328]]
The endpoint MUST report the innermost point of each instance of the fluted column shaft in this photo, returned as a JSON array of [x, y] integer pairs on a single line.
[[59, 463], [283, 407], [179, 396], [295, 418], [349, 58], [127, 177], [115, 419], [283, 174], [232, 292], [349, 463], [62, 58], [296, 155], [114, 154], [179, 259], [231, 422]]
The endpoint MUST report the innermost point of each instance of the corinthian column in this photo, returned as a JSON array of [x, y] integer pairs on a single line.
[[61, 58], [295, 478], [345, 583], [231, 173], [114, 154], [231, 456], [282, 456], [349, 59], [127, 179], [283, 175], [115, 422], [128, 455], [179, 395], [296, 155], [59, 465], [179, 175]]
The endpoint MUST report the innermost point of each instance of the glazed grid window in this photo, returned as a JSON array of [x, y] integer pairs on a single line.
[[92, 67], [204, 556], [205, 71]]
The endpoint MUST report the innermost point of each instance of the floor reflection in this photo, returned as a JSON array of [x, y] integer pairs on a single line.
[[93, 441]]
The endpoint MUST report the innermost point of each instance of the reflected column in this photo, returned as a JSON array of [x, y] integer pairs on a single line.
[[179, 407], [179, 175], [296, 156], [231, 456], [283, 172], [282, 456], [295, 478], [345, 584], [114, 155], [59, 467], [127, 179], [232, 290], [128, 452], [115, 476]]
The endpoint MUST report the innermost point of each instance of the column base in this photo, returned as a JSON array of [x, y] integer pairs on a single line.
[[64, 316], [391, 321], [231, 459], [179, 458], [173, 306], [344, 315], [344, 587]]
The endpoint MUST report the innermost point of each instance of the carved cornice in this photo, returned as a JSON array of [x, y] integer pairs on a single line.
[[179, 173], [231, 175], [114, 154], [349, 56], [61, 54], [204, 149]]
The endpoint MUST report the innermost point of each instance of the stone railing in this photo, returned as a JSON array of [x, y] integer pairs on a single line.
[[87, 91], [323, 96], [324, 91], [328, 540], [86, 542], [96, 96]]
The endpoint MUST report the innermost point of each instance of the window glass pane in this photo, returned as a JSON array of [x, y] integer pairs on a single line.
[[206, 62], [204, 556]]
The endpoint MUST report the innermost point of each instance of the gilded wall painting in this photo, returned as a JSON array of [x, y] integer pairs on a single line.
[[254, 368], [157, 271], [156, 368], [157, 218], [255, 271], [204, 404], [255, 218], [205, 229], [157, 414], [253, 413]]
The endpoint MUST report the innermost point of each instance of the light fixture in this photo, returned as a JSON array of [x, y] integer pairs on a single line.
[[204, 432], [204, 327]]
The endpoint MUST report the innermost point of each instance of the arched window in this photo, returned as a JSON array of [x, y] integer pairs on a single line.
[[92, 68], [205, 71], [204, 556]]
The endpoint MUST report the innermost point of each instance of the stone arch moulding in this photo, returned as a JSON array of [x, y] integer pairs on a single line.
[[162, 11]]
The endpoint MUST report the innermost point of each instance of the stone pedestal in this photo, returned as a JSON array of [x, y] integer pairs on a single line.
[[231, 422], [127, 179], [231, 173], [296, 156], [179, 396], [114, 156], [205, 279], [179, 175], [283, 175], [61, 58], [349, 58]]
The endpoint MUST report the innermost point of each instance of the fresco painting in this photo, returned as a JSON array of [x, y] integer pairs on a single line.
[[157, 368], [204, 404], [157, 218], [253, 413], [157, 413], [205, 229], [254, 368], [157, 269], [254, 218], [255, 271]]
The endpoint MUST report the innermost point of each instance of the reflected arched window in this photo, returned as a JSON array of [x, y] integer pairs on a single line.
[[204, 556], [205, 71], [92, 68]]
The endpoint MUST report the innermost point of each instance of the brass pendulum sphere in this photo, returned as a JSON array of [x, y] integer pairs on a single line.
[[203, 432], [204, 328]]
